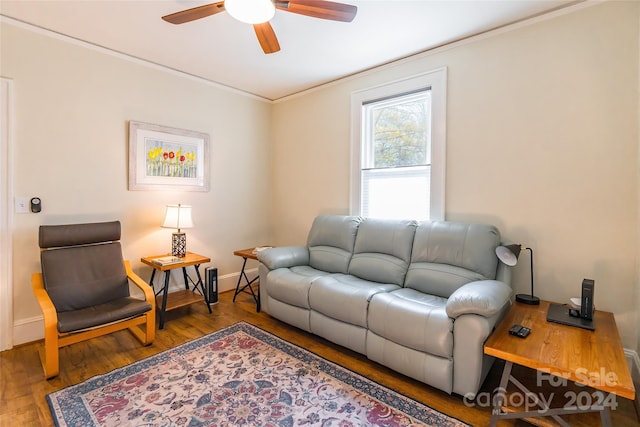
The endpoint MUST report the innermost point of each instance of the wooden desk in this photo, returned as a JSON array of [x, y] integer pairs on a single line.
[[245, 254], [594, 358], [167, 301]]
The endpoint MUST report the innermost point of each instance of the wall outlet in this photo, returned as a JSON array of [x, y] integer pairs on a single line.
[[22, 205]]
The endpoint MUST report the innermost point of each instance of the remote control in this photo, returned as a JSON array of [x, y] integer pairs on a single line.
[[519, 331]]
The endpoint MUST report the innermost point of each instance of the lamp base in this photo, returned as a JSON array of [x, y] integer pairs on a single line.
[[179, 245], [528, 299]]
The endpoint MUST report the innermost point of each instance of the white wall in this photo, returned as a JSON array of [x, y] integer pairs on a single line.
[[72, 107], [542, 141]]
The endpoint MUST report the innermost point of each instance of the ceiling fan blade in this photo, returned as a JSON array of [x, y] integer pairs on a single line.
[[195, 13], [267, 37], [320, 9]]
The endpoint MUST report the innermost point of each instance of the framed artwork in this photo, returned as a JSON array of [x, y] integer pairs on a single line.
[[164, 158]]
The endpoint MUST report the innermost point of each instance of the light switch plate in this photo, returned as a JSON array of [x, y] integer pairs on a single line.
[[22, 205]]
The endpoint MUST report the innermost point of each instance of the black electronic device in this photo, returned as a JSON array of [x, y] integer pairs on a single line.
[[519, 331], [36, 204], [560, 313], [586, 304], [211, 277], [570, 315]]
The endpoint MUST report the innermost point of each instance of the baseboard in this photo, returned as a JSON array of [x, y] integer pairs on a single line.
[[32, 329], [228, 282], [28, 330], [633, 360]]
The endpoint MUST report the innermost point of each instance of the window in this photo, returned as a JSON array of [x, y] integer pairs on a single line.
[[398, 149]]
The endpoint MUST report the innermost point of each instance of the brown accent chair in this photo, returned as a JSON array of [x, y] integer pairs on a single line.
[[83, 289]]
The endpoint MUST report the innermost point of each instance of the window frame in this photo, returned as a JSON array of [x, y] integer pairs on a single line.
[[436, 80]]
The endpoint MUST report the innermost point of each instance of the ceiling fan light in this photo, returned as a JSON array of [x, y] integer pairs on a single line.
[[250, 11]]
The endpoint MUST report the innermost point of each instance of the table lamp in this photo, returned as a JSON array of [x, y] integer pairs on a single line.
[[178, 216], [509, 255]]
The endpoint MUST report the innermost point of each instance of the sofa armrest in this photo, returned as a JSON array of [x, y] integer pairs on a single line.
[[482, 297], [284, 257]]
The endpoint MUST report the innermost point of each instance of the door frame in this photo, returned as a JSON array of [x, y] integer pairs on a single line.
[[6, 214]]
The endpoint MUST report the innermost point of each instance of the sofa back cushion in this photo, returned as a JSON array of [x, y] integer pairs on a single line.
[[383, 250], [447, 255], [330, 242]]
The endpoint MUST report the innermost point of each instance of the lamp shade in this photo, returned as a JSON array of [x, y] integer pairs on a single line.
[[509, 254], [251, 11], [178, 216]]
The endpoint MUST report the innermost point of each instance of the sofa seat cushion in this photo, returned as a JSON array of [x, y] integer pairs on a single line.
[[291, 285], [413, 319], [345, 297]]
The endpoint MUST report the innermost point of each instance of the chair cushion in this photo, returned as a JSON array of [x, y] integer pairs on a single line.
[[101, 314], [82, 276], [52, 236]]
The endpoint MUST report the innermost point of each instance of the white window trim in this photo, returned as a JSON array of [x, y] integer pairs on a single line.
[[437, 81]]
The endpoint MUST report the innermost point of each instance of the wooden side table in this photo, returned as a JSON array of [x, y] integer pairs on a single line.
[[246, 254], [167, 301], [559, 352]]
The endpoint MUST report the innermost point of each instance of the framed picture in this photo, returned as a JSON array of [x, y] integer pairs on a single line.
[[164, 158]]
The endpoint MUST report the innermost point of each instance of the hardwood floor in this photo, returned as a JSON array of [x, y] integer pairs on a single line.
[[23, 387]]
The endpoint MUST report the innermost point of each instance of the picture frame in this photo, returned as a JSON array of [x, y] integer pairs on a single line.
[[165, 158]]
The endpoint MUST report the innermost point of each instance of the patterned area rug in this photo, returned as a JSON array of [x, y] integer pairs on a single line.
[[239, 376]]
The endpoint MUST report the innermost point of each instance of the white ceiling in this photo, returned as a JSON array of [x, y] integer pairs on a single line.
[[313, 51]]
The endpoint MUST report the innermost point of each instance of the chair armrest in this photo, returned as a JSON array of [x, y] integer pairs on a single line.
[[482, 297], [144, 286], [284, 257], [49, 312]]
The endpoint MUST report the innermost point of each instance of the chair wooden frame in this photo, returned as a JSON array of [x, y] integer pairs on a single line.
[[54, 340]]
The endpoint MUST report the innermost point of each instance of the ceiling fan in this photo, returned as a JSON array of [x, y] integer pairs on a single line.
[[260, 12]]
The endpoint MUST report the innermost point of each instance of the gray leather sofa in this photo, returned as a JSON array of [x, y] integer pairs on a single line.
[[419, 298]]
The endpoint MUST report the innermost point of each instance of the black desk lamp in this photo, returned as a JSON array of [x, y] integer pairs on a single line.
[[509, 255]]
